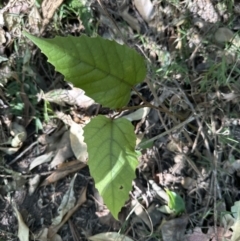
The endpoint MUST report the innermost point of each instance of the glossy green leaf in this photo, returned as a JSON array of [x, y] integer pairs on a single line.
[[104, 69], [112, 159], [176, 203]]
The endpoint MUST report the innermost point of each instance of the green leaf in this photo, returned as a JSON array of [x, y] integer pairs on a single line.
[[112, 159], [104, 69], [176, 203]]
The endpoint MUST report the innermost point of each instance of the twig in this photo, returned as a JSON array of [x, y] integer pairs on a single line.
[[180, 125], [22, 153]]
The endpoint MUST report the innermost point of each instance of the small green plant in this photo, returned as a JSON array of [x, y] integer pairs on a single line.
[[107, 72], [176, 203]]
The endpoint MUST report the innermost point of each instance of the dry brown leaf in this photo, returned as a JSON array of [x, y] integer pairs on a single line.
[[138, 114], [48, 9], [82, 199], [34, 20], [62, 171]]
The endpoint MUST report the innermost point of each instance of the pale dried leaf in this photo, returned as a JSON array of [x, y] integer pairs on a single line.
[[48, 9], [109, 236], [78, 145], [34, 20], [231, 96], [41, 159], [23, 230], [9, 150], [33, 183], [82, 199], [74, 96], [19, 134], [130, 20], [145, 8], [67, 203], [159, 191], [138, 114]]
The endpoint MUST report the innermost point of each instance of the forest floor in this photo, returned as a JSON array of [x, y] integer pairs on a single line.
[[191, 49]]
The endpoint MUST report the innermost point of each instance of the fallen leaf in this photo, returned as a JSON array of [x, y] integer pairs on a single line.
[[75, 96], [41, 159], [78, 145], [138, 114], [82, 199], [62, 171], [145, 8], [109, 236], [23, 230], [67, 203], [48, 9]]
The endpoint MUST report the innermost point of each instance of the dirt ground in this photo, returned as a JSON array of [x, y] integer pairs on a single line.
[[191, 50]]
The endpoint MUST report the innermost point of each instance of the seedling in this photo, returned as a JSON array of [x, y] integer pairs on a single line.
[[107, 72]]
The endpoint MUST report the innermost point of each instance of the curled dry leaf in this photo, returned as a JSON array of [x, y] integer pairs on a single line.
[[9, 150], [75, 96], [78, 145], [33, 184], [19, 134]]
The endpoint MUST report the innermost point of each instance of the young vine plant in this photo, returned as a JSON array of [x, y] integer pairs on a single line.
[[107, 72]]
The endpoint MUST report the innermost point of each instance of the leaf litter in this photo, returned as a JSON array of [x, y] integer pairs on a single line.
[[211, 91]]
